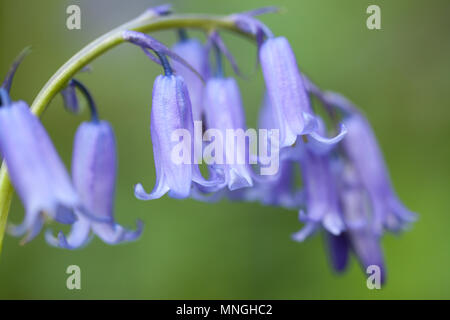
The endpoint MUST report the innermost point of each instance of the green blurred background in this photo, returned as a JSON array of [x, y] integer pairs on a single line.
[[398, 75]]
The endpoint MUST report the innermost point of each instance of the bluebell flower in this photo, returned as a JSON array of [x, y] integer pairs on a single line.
[[365, 155], [35, 168], [279, 189], [321, 196], [361, 229], [171, 112], [224, 111], [94, 167], [195, 53], [171, 126], [288, 94]]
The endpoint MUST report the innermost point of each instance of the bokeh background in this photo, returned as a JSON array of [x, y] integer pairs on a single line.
[[398, 75]]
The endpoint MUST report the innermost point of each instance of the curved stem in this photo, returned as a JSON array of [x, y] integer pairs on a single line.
[[147, 22], [144, 23]]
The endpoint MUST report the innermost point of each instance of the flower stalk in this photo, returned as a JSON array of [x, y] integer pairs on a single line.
[[149, 21]]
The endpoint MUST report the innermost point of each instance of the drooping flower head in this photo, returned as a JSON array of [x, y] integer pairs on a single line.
[[367, 202], [361, 235], [322, 207], [225, 121], [35, 168], [226, 154], [288, 95], [94, 169], [363, 151], [171, 128]]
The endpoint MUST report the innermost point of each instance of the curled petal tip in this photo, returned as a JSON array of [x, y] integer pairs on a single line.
[[65, 243], [31, 226], [141, 194], [322, 145], [333, 224], [51, 239], [309, 229], [132, 235]]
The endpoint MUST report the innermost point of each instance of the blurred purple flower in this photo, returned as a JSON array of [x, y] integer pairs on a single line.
[[361, 232], [365, 155], [37, 173], [70, 98], [339, 250], [224, 111], [94, 166], [321, 196], [279, 189]]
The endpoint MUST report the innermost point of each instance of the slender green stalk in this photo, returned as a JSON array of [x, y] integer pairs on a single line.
[[147, 22], [6, 193]]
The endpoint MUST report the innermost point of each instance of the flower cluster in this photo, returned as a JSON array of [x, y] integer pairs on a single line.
[[345, 187]]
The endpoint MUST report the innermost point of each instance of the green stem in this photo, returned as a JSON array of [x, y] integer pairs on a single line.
[[147, 22]]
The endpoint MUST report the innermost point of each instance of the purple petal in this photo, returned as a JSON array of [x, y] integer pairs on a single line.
[[339, 251], [116, 234], [77, 238], [367, 248], [307, 231], [322, 145]]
